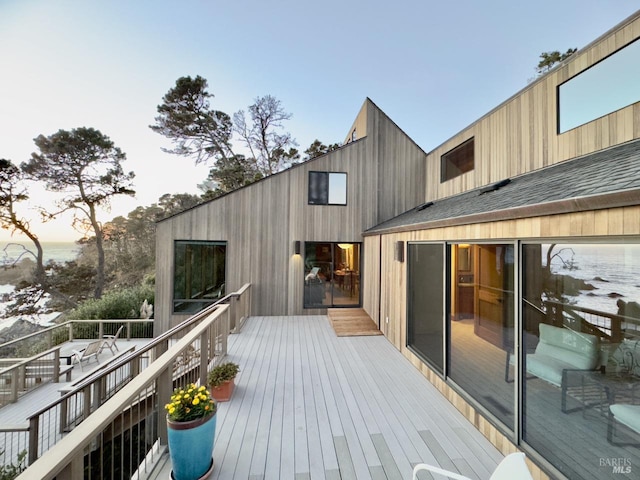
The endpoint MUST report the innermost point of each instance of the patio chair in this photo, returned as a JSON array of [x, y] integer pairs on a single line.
[[109, 341], [92, 350], [512, 467], [626, 414]]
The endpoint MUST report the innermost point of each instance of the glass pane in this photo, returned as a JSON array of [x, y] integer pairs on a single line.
[[318, 188], [457, 161], [199, 274], [425, 317], [346, 274], [337, 189], [582, 351], [318, 265], [332, 275], [606, 87], [482, 333]]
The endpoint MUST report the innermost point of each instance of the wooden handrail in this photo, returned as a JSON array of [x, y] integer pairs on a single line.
[[65, 457]]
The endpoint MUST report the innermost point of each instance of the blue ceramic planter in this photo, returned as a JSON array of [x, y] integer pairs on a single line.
[[191, 447]]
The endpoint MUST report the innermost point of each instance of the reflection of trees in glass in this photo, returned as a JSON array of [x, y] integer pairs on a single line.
[[557, 286], [200, 270]]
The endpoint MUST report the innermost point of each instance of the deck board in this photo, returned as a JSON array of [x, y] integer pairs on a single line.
[[310, 404]]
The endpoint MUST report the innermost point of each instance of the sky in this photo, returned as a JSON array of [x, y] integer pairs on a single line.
[[432, 67]]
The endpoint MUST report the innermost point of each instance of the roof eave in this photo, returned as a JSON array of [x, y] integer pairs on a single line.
[[622, 198]]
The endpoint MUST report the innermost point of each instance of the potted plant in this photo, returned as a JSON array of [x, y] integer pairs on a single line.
[[191, 427], [221, 380]]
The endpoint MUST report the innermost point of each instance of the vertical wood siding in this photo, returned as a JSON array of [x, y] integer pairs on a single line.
[[391, 293], [260, 222], [520, 135]]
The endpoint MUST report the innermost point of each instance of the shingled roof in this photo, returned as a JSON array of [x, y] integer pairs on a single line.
[[604, 179]]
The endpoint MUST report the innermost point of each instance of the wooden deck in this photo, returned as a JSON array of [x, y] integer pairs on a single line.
[[311, 405], [16, 414], [352, 322]]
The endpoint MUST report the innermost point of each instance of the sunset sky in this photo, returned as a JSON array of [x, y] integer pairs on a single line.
[[433, 67]]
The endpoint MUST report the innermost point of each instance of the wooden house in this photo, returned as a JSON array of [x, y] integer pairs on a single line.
[[503, 264]]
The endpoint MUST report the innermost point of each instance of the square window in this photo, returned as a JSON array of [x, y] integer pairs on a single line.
[[457, 161], [327, 188]]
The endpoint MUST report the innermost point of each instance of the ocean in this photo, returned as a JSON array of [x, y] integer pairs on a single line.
[[57, 251], [11, 251], [612, 269]]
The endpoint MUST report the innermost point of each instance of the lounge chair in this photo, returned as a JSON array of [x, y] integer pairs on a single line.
[[109, 341], [92, 350], [512, 467]]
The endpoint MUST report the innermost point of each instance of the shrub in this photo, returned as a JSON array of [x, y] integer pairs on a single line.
[[222, 373], [116, 304], [10, 471]]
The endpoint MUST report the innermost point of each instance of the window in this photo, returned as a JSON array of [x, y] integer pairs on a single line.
[[482, 325], [353, 135], [331, 274], [457, 161], [559, 373], [580, 309], [607, 86], [425, 314], [327, 188], [199, 274]]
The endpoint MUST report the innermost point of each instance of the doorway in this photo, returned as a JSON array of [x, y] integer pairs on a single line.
[[331, 275]]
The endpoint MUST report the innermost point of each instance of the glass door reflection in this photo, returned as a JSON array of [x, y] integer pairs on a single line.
[[332, 275]]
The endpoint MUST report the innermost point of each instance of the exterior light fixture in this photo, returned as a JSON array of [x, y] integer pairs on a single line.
[[296, 247], [399, 251]]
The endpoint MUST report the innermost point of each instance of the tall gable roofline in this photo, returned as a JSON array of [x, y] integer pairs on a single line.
[[361, 114], [374, 105], [263, 179]]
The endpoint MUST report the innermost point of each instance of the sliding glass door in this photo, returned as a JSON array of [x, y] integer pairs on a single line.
[[331, 274], [425, 316]]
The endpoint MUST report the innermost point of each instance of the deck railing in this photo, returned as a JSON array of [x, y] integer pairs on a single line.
[[49, 337], [611, 326], [28, 374], [121, 427]]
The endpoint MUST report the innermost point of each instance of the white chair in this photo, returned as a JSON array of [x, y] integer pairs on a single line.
[[512, 467], [109, 341]]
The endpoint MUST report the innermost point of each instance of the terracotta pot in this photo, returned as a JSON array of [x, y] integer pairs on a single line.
[[223, 392]]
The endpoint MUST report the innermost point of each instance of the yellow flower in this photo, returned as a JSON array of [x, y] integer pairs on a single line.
[[190, 403]]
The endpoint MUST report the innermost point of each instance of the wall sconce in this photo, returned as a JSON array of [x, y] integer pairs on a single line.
[[399, 251], [296, 247]]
